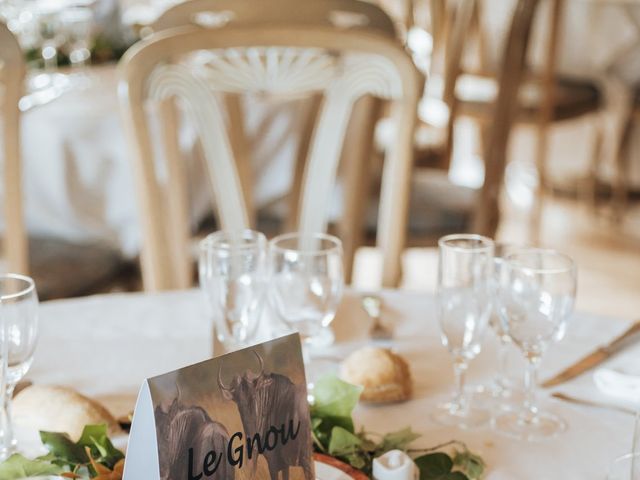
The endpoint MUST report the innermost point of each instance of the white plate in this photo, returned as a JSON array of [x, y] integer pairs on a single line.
[[327, 472]]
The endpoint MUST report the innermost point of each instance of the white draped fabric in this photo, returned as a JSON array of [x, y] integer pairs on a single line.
[[104, 346]]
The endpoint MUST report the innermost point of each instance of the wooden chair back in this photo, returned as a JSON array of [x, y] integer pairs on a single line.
[[279, 62], [344, 14], [358, 148], [12, 73]]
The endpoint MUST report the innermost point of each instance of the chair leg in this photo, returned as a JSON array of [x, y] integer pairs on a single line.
[[621, 187], [591, 190]]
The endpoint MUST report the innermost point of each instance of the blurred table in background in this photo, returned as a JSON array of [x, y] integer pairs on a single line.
[[78, 177]]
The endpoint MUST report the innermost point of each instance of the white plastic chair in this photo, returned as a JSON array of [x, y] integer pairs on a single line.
[[280, 62]]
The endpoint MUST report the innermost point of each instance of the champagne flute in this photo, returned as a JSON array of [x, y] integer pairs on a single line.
[[537, 294], [232, 270], [505, 388], [306, 284], [18, 336], [464, 300]]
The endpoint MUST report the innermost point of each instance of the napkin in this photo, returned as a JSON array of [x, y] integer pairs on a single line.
[[618, 384]]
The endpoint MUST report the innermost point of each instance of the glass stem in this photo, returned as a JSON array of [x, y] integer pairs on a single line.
[[460, 371], [6, 390], [6, 426], [503, 359], [530, 385]]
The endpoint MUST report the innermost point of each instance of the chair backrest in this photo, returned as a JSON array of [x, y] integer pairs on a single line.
[[342, 14], [350, 14], [343, 66], [12, 72]]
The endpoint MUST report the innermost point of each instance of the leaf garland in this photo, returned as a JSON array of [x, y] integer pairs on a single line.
[[334, 433], [94, 457]]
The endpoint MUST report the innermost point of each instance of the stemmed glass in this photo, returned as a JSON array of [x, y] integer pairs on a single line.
[[232, 271], [306, 283], [464, 301], [537, 294], [503, 386], [18, 336]]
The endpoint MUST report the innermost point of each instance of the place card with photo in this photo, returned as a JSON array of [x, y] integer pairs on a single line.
[[243, 415]]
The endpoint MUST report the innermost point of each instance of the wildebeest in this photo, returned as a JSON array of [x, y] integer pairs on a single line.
[[181, 427], [267, 400]]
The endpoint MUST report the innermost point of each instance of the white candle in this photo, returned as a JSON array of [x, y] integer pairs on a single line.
[[394, 465]]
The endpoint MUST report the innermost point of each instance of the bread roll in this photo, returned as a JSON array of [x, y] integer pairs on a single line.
[[60, 409], [384, 375]]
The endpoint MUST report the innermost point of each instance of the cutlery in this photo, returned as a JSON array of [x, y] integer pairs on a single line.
[[589, 403], [595, 358], [372, 304]]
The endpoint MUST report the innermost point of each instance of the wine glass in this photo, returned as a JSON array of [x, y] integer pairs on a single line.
[[464, 301], [537, 294], [232, 270], [504, 387], [18, 336], [306, 283]]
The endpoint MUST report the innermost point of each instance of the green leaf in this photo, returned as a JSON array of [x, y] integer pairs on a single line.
[[17, 466], [65, 451], [343, 442], [95, 437], [335, 401], [399, 440], [471, 464], [437, 466]]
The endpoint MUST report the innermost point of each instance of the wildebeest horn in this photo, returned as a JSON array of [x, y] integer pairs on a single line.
[[261, 362], [220, 384]]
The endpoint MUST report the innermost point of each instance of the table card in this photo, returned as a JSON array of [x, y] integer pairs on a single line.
[[239, 416]]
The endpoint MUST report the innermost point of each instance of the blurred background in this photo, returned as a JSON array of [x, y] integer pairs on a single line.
[[561, 162]]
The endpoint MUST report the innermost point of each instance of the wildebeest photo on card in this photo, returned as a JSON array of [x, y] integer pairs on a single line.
[[240, 416]]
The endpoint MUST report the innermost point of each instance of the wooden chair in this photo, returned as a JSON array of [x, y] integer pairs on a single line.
[[12, 72], [358, 146], [273, 61], [543, 98]]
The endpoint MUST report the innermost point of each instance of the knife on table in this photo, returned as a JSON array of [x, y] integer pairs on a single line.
[[596, 357]]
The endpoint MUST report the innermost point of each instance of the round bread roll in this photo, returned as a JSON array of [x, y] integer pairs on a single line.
[[60, 409], [384, 375]]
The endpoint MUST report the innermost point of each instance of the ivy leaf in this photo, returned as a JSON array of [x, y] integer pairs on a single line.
[[102, 450], [17, 466], [399, 440], [437, 466], [343, 442], [65, 451], [334, 402], [473, 465]]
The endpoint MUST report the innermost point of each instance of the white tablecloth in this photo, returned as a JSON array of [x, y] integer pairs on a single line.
[[105, 346]]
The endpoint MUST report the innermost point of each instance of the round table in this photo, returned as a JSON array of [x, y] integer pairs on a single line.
[[104, 346]]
